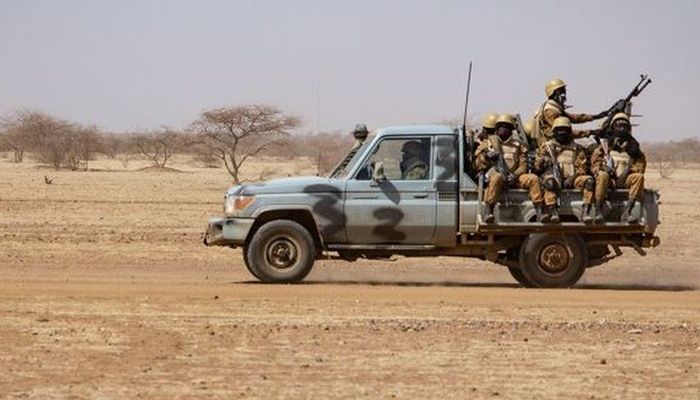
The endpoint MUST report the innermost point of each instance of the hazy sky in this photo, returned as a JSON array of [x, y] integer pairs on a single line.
[[140, 64]]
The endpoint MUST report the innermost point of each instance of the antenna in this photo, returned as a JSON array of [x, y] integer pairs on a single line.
[[466, 100]]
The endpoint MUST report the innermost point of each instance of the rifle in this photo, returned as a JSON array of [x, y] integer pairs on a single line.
[[608, 158], [622, 104], [555, 165], [526, 140], [501, 165]]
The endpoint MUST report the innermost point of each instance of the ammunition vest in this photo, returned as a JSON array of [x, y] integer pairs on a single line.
[[510, 149], [621, 161], [542, 128], [566, 158]]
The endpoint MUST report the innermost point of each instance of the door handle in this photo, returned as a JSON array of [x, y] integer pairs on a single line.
[[365, 197], [420, 196]]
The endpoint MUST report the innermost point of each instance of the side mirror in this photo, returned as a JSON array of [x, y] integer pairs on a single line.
[[378, 172]]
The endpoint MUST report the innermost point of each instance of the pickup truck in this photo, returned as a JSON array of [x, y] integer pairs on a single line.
[[370, 208]]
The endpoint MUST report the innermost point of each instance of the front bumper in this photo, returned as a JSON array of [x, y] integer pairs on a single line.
[[228, 231]]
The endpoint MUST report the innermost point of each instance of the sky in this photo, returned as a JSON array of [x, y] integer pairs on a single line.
[[128, 65]]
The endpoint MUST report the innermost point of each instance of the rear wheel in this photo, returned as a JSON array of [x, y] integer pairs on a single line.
[[517, 274], [281, 251], [548, 260]]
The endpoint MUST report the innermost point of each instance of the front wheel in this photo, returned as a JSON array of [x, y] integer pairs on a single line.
[[280, 251], [548, 260]]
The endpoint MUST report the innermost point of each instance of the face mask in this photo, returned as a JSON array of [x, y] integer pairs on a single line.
[[621, 129], [560, 98], [562, 136], [504, 132]]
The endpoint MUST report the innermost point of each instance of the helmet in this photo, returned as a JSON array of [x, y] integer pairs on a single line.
[[620, 116], [529, 127], [552, 86], [561, 122], [489, 121], [506, 119], [360, 132]]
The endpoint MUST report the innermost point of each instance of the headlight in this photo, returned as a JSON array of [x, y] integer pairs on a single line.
[[234, 204]]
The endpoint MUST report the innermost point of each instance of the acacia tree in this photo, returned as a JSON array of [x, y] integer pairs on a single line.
[[235, 134]]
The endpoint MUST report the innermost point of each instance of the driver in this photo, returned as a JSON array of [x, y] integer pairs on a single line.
[[414, 165]]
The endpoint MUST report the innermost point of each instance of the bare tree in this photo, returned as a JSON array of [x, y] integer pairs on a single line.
[[24, 130], [235, 134], [158, 146], [83, 143]]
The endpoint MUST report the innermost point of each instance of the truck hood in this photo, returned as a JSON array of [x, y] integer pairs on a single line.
[[304, 184]]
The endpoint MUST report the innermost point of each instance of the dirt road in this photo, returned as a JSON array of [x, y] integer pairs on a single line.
[[106, 292]]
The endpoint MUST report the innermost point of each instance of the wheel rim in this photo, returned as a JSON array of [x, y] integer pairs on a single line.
[[281, 253], [554, 258]]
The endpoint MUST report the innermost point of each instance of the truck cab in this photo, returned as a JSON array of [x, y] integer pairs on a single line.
[[409, 191]]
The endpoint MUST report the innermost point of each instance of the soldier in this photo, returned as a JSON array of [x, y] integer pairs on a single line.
[[502, 159], [413, 163], [555, 107], [623, 166], [563, 164], [488, 126]]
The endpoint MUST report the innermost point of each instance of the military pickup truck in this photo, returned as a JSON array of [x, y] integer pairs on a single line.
[[372, 206]]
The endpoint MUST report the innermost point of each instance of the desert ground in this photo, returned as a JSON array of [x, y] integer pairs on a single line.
[[106, 291]]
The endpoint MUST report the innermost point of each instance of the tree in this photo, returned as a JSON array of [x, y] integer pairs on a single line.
[[82, 144], [158, 146], [24, 130], [235, 134]]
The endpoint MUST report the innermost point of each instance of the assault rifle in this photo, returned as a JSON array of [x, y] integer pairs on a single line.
[[622, 105], [501, 164], [555, 168]]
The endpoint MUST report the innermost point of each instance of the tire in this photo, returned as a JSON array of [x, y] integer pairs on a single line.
[[517, 274], [553, 261], [247, 263], [280, 251]]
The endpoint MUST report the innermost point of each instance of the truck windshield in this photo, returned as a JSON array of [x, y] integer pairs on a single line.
[[349, 161]]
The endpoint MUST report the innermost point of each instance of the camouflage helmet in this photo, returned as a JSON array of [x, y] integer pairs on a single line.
[[506, 119], [561, 122], [529, 127], [489, 121], [552, 86], [620, 116]]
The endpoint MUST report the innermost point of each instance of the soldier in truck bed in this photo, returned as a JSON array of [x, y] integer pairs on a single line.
[[553, 108], [623, 167], [503, 143], [563, 164]]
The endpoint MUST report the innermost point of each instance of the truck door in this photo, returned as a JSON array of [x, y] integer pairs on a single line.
[[400, 209]]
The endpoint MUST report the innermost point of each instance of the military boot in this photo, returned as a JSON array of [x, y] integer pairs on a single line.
[[554, 214], [598, 217], [631, 219], [586, 214], [490, 218]]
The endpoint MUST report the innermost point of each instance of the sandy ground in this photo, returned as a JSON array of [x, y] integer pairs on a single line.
[[107, 292]]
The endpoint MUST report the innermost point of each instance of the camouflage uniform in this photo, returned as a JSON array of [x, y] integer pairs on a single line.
[[547, 113], [573, 165], [628, 172], [515, 154]]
